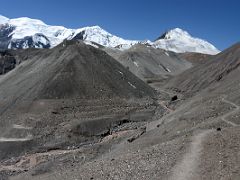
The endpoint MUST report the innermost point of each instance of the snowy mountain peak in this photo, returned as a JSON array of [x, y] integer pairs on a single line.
[[100, 36], [95, 27], [181, 41], [24, 21], [3, 19], [175, 33], [25, 32]]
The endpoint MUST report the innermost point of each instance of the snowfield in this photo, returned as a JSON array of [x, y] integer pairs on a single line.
[[43, 35], [180, 41]]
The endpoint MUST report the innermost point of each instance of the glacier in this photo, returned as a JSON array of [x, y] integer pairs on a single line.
[[41, 35]]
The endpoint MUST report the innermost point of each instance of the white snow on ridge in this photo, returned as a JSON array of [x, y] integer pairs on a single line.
[[56, 34], [176, 40], [3, 20], [180, 41], [30, 27], [91, 44], [98, 35]]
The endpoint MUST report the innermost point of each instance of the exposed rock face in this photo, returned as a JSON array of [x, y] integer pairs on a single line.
[[5, 37], [7, 62], [35, 41]]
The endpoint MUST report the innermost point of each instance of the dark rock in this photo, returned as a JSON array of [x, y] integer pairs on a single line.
[[174, 98], [30, 42], [7, 63], [5, 37]]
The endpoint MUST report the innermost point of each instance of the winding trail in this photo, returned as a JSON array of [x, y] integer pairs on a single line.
[[19, 127], [230, 113], [16, 126], [28, 138], [185, 170]]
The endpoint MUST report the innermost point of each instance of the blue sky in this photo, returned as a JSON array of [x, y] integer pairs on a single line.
[[214, 20]]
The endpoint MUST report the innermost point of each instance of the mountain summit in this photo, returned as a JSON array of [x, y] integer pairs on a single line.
[[181, 41], [21, 33]]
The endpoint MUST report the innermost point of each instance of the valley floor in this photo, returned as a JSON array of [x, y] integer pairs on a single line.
[[167, 147]]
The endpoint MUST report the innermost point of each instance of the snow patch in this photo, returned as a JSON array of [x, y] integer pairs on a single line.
[[121, 73], [91, 44], [135, 63], [132, 85], [166, 53], [168, 70]]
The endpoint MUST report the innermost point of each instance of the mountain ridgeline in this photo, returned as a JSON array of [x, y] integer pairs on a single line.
[[21, 33], [86, 104]]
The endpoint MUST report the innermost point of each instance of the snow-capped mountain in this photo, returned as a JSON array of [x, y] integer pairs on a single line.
[[26, 32], [3, 19], [102, 37], [32, 33], [180, 41]]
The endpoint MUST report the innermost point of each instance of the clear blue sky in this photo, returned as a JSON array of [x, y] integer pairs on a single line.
[[214, 20]]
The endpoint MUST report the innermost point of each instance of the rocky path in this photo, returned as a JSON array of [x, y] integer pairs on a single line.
[[17, 139], [16, 126], [186, 169], [3, 139], [230, 113]]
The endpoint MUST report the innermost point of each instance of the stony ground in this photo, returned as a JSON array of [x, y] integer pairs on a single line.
[[192, 136], [169, 149]]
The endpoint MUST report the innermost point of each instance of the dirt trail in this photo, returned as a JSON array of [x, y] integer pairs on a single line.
[[16, 126], [3, 139], [230, 113], [186, 169], [20, 127]]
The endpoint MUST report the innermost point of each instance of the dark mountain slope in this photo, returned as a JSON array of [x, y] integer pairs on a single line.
[[214, 71], [68, 95], [195, 58], [7, 62], [204, 131], [72, 69], [147, 62]]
